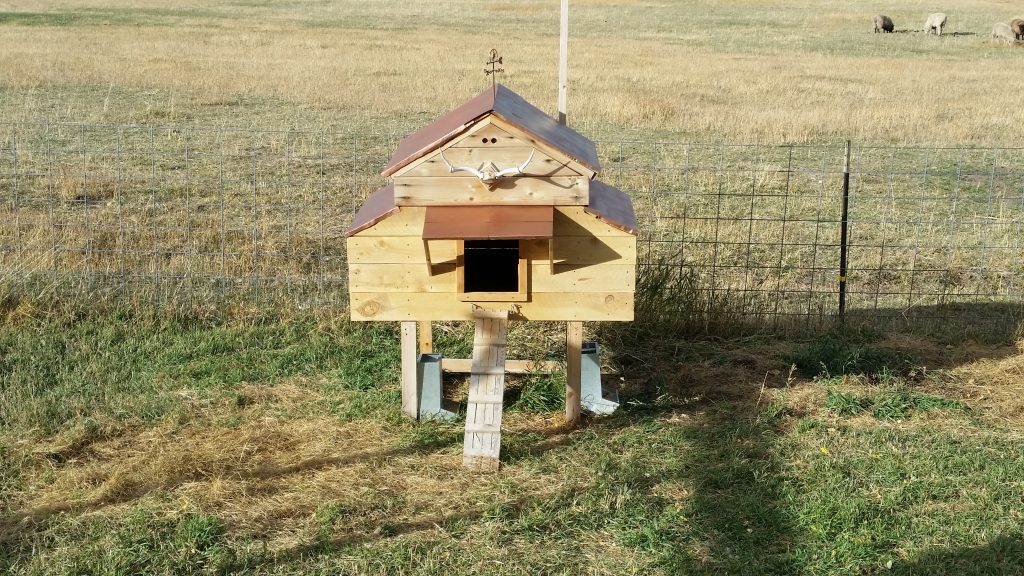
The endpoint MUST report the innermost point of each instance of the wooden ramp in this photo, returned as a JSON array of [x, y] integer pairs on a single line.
[[486, 391]]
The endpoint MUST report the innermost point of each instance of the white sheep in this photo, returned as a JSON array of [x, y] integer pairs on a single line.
[[1002, 32], [935, 22]]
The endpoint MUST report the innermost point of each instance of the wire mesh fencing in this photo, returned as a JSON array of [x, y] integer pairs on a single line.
[[732, 236]]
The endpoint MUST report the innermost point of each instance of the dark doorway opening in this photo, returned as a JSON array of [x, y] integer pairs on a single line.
[[491, 265]]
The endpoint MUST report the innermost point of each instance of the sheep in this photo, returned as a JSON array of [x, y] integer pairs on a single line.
[[883, 23], [935, 22], [1017, 27], [1001, 32]]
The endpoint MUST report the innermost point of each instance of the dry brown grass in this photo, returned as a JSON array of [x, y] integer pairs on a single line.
[[735, 71], [995, 384], [272, 476]]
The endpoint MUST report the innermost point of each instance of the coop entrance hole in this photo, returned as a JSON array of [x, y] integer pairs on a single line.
[[491, 265]]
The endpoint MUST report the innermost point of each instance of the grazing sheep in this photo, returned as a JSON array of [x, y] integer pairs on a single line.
[[883, 23], [1001, 32], [1017, 26], [935, 22]]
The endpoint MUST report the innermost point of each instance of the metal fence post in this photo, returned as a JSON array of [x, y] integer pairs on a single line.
[[843, 234]]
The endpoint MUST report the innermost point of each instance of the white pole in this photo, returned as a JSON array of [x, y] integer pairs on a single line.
[[563, 63]]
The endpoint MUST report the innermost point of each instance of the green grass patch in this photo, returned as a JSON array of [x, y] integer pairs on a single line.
[[666, 485], [893, 403], [838, 353]]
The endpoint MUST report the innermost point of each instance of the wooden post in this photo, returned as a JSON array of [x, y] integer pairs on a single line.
[[563, 63], [426, 338], [410, 389], [573, 370]]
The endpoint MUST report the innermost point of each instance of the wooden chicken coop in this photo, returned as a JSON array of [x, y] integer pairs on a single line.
[[493, 214]]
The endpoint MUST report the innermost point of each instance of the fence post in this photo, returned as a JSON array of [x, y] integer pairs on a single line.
[[843, 230]]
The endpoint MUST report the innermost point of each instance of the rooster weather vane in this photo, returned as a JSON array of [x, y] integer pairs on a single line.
[[493, 72]]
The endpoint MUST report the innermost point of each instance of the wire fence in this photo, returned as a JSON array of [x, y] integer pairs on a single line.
[[742, 234]]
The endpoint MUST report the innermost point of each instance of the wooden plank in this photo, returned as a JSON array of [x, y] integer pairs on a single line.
[[541, 164], [398, 250], [554, 306], [575, 221], [458, 190], [488, 130], [466, 227], [401, 278], [573, 250], [583, 250], [465, 365], [573, 370], [482, 440], [604, 277], [410, 389], [426, 338], [568, 221]]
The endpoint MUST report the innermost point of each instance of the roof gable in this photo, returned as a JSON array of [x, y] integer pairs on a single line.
[[510, 107]]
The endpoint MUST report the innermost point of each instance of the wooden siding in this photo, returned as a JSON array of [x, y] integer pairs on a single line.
[[593, 276], [461, 189], [541, 165], [476, 147], [551, 178]]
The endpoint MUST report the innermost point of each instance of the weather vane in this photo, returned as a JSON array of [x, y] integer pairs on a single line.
[[493, 72]]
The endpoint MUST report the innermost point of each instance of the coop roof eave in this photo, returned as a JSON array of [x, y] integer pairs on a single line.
[[510, 107], [612, 206], [377, 207]]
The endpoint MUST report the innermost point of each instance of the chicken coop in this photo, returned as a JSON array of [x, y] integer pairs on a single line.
[[493, 214]]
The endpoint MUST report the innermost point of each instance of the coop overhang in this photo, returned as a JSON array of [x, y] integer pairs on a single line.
[[488, 222]]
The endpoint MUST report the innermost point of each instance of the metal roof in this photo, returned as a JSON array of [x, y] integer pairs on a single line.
[[612, 206], [377, 207], [511, 108], [488, 222]]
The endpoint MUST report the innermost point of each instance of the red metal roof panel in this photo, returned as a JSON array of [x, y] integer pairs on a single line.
[[488, 222], [377, 207], [612, 206]]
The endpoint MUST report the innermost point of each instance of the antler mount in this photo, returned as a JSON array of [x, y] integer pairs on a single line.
[[488, 172]]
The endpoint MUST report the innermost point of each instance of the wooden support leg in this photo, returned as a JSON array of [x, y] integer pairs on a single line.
[[573, 370], [410, 388], [426, 338]]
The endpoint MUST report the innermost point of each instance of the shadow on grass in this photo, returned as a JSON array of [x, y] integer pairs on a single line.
[[1003, 555], [731, 520]]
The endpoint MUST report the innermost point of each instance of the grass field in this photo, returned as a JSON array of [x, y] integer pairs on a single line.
[[274, 445], [258, 439], [720, 70]]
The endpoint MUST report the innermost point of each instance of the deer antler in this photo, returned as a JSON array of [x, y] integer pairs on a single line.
[[516, 169], [488, 173], [454, 169]]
